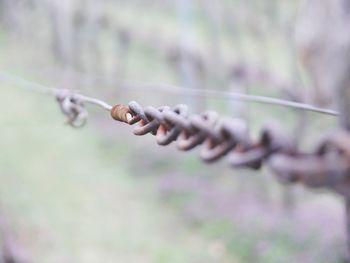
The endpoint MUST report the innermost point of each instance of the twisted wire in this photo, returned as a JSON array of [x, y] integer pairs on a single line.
[[327, 166], [72, 105]]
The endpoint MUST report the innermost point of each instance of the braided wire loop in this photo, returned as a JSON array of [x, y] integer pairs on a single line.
[[137, 112], [72, 107], [193, 135], [169, 130], [150, 126], [328, 166], [228, 134], [272, 139]]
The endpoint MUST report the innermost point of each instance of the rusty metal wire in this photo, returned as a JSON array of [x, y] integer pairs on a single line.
[[217, 137], [327, 166]]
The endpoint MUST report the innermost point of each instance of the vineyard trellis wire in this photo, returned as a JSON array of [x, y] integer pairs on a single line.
[[328, 166], [218, 137]]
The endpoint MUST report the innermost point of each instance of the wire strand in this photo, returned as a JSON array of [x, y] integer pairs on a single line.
[[234, 96], [171, 89], [95, 101], [176, 90], [39, 88]]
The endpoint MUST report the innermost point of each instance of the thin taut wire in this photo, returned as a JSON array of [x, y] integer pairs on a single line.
[[230, 96], [32, 86], [35, 87]]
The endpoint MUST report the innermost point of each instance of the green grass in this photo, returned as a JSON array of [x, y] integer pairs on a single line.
[[71, 198]]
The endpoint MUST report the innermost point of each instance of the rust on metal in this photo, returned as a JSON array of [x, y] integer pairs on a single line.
[[121, 113], [327, 166]]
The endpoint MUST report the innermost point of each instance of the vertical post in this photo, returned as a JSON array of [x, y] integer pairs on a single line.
[[347, 217], [186, 64], [341, 72], [324, 45], [345, 123], [217, 73], [343, 101]]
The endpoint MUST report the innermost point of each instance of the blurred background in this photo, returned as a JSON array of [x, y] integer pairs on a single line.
[[100, 194]]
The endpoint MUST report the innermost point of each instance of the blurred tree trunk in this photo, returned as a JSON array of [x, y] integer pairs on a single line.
[[2, 13], [324, 46], [285, 26], [187, 65], [11, 14], [76, 29], [94, 10], [122, 38], [63, 16], [217, 74], [62, 21]]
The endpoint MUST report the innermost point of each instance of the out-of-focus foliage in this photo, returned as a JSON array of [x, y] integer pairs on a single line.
[[101, 195]]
